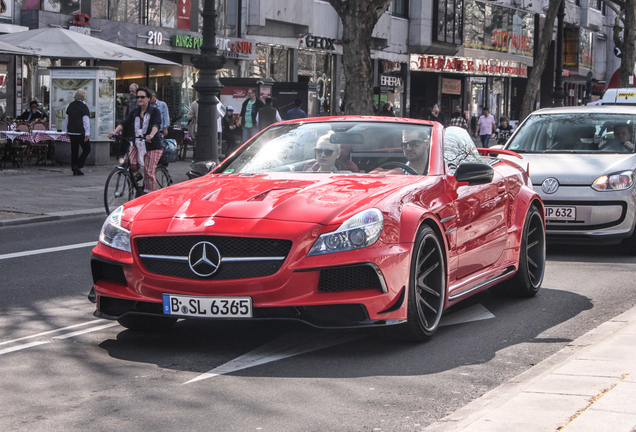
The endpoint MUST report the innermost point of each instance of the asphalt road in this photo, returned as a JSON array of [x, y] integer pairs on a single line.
[[64, 370]]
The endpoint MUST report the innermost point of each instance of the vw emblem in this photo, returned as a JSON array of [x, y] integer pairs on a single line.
[[204, 259], [550, 185]]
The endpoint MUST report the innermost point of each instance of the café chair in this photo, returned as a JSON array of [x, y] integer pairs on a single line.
[[40, 149]]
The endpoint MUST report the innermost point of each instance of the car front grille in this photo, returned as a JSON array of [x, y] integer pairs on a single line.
[[241, 257]]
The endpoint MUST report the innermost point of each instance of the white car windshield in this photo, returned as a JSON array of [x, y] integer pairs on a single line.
[[575, 133], [342, 146]]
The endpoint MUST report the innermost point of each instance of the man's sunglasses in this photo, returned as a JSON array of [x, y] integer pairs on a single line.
[[326, 152], [413, 143], [141, 97]]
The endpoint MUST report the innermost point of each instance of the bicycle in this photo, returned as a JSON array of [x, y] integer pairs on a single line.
[[121, 185]]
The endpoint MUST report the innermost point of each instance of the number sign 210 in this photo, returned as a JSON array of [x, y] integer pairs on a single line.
[[155, 37]]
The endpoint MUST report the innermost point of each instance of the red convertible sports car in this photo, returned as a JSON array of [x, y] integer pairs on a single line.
[[336, 222]]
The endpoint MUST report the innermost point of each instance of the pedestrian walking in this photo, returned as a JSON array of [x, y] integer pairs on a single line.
[[163, 109], [457, 118], [387, 110], [193, 119], [247, 118], [267, 115], [296, 112], [437, 115], [485, 127], [228, 126], [503, 132], [79, 130]]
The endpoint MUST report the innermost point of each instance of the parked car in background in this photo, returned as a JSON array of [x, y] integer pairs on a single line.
[[582, 163], [337, 222]]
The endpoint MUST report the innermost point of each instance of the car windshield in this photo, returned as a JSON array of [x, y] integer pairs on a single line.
[[342, 146], [575, 133]]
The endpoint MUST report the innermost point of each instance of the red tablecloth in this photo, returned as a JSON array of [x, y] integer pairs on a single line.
[[50, 135]]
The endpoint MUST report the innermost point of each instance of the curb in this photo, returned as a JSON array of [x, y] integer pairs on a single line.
[[488, 403], [73, 214]]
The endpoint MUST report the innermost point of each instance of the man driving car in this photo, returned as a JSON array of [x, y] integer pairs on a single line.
[[622, 139]]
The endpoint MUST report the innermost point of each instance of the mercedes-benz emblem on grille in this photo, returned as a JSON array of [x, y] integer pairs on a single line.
[[204, 259], [550, 185]]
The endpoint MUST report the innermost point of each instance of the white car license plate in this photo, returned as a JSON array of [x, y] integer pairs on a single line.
[[210, 307], [560, 213]]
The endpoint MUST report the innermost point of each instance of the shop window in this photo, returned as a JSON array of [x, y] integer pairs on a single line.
[[449, 15], [228, 19], [400, 8], [124, 10], [67, 7], [160, 13], [271, 62], [99, 9]]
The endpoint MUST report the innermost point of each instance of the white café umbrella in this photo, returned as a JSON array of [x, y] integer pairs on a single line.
[[6, 48], [61, 43]]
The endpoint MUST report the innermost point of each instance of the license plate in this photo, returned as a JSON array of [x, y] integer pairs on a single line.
[[210, 307], [560, 213]]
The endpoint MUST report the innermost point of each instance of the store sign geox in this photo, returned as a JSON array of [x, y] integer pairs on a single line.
[[468, 66], [229, 47]]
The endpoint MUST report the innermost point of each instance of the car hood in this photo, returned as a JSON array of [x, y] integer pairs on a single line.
[[574, 169], [314, 198]]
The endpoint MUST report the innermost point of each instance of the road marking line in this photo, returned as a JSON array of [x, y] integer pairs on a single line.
[[48, 250], [81, 332], [21, 347], [52, 331], [474, 313], [289, 345]]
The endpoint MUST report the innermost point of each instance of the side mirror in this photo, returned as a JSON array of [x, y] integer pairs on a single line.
[[474, 173], [199, 169]]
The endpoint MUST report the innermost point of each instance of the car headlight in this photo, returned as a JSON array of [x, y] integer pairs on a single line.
[[618, 181], [112, 234], [358, 231]]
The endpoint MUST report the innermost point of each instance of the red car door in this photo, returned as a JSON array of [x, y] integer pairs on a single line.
[[481, 225]]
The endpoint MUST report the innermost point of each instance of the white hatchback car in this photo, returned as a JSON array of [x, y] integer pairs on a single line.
[[582, 162]]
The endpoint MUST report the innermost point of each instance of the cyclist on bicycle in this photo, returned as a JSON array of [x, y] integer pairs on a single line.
[[146, 121]]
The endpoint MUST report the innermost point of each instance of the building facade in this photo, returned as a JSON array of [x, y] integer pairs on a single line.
[[467, 53]]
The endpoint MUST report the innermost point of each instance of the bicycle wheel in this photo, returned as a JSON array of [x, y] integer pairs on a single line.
[[163, 177], [118, 190]]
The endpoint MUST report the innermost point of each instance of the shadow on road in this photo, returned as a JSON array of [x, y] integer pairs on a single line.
[[200, 346]]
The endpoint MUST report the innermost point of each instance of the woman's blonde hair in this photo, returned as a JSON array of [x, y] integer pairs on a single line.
[[80, 95]]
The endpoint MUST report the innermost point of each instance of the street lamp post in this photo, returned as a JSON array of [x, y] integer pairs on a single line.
[[558, 94], [208, 86]]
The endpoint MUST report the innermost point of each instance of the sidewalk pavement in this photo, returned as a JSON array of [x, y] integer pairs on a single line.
[[44, 192], [590, 385]]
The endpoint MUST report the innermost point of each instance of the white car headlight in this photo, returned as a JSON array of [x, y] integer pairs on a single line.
[[618, 181], [358, 231], [112, 234]]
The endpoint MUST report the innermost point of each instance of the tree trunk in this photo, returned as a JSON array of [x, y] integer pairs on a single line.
[[540, 59], [628, 58], [359, 18]]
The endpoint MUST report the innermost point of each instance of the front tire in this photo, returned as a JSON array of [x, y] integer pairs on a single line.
[[427, 288], [118, 190], [527, 281], [147, 323]]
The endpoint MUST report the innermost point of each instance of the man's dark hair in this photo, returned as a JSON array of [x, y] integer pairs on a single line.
[[625, 125], [268, 101], [298, 102], [33, 102]]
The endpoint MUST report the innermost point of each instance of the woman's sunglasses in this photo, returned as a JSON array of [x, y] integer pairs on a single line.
[[326, 152], [413, 143]]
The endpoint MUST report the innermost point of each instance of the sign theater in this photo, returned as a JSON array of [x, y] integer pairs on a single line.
[[468, 66]]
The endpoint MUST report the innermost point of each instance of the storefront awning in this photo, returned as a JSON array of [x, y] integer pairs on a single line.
[[62, 43]]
